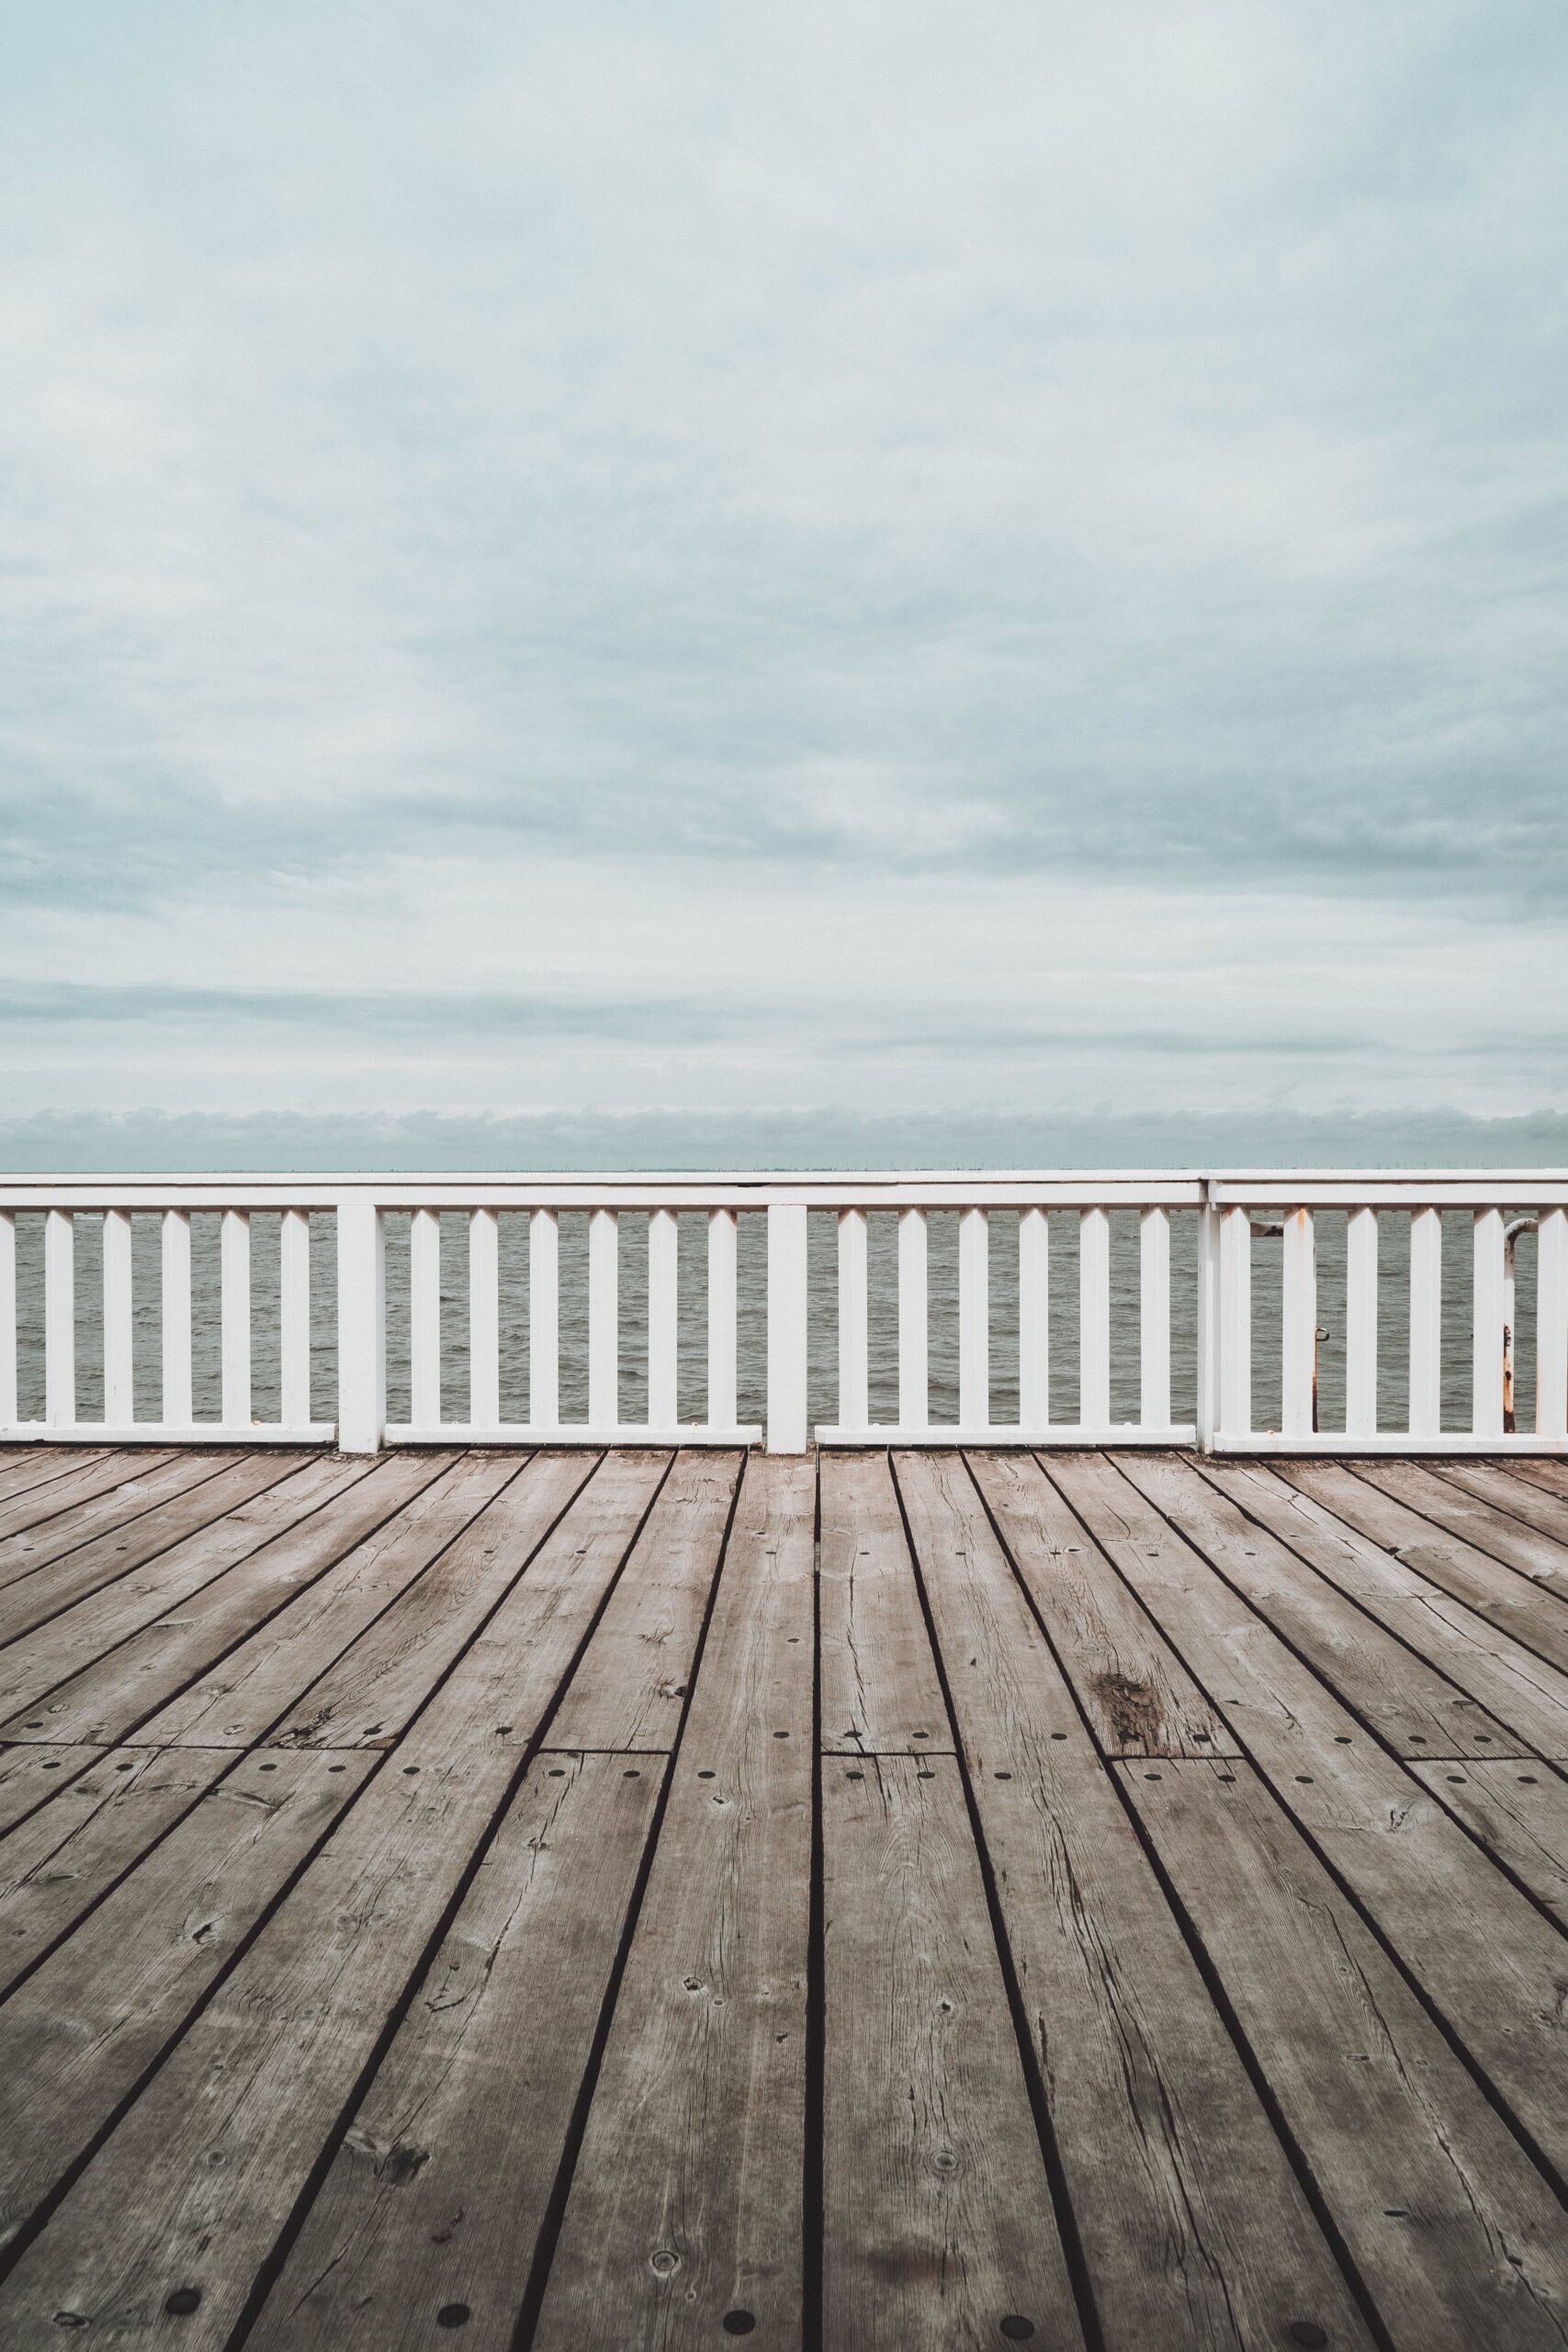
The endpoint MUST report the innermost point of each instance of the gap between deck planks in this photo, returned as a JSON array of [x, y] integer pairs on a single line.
[[1144, 1928]]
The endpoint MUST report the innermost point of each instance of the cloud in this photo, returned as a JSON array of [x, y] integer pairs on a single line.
[[840, 460]]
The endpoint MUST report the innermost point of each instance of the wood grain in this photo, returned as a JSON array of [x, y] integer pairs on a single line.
[[50, 1566], [1519, 1813], [1194, 2228], [1491, 1529], [630, 1687], [686, 2202], [1506, 1491], [25, 1467], [53, 1516], [299, 1524], [937, 2211], [1412, 1707], [275, 1613], [62, 1860], [880, 1691], [1494, 1669], [1532, 1613], [77, 2036], [1457, 2237], [439, 2190], [1137, 1694], [1488, 1960], [536, 1553]]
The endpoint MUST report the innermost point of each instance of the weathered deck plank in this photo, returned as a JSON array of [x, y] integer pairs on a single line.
[[629, 1690], [880, 1693], [79, 2033], [1488, 1960], [42, 1523], [939, 2221], [683, 2216], [277, 1612], [1410, 1705], [1139, 1697], [22, 1466], [1195, 2232], [1531, 1611], [1150, 1928], [292, 1528], [542, 1564], [1497, 1671], [144, 1517], [1456, 2235], [1517, 1814], [1496, 1532], [440, 2188], [60, 1860]]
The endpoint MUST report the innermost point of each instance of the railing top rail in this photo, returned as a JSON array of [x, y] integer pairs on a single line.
[[1063, 1188]]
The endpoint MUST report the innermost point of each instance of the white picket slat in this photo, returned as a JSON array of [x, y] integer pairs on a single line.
[[1426, 1409], [854, 1410], [603, 1319], [1487, 1335], [1361, 1323], [974, 1318], [1033, 1318], [294, 1318], [484, 1317], [1094, 1319], [544, 1319], [1154, 1317], [175, 1299], [663, 1325], [914, 1375], [119, 1407], [724, 1305], [361, 1327], [788, 1326], [234, 1316], [1298, 1324]]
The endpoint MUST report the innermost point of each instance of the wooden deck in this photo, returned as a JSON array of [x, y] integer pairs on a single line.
[[645, 1900]]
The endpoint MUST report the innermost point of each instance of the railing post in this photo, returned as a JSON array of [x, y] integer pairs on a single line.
[[1207, 1413], [786, 1329], [361, 1328]]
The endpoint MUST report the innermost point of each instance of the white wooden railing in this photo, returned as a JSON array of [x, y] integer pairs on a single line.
[[1200, 1291]]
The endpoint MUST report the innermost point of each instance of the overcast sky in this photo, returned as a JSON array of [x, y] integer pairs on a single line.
[[701, 558]]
